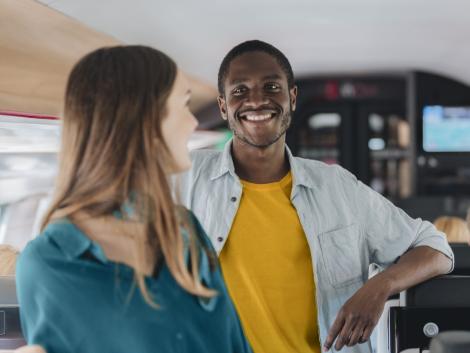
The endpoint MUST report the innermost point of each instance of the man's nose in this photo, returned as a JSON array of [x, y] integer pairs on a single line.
[[256, 98]]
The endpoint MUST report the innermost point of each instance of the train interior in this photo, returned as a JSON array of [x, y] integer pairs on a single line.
[[384, 91]]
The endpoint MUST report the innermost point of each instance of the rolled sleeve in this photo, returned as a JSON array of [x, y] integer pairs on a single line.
[[428, 235]]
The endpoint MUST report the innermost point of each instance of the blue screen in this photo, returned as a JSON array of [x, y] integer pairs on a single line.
[[446, 129]]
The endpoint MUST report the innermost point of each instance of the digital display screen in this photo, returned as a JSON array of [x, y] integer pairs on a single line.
[[446, 129]]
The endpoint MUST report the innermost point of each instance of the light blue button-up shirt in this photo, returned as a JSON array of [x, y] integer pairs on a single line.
[[348, 225]]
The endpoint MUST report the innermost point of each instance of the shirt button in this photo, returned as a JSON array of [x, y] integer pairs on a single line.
[[179, 336], [233, 199], [220, 239]]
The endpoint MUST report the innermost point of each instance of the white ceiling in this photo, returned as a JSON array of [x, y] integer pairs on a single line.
[[318, 36]]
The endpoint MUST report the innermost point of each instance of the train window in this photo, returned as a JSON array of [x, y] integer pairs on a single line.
[[28, 166]]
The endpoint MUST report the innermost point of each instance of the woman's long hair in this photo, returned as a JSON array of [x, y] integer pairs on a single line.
[[113, 154]]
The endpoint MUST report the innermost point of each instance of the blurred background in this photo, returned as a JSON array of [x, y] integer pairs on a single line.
[[383, 87], [384, 91]]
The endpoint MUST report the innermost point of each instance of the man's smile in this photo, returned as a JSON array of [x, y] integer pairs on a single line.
[[258, 116]]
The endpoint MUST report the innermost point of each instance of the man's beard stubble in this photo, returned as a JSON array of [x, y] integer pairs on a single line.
[[285, 123]]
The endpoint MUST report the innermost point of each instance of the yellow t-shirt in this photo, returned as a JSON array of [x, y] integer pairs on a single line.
[[268, 270]]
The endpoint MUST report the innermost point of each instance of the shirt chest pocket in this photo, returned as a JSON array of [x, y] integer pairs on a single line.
[[341, 255]]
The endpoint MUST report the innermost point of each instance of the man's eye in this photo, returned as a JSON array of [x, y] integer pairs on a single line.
[[239, 90], [272, 86]]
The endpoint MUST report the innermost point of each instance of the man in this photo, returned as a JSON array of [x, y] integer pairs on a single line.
[[296, 237]]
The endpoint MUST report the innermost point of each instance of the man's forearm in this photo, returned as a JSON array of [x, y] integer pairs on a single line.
[[359, 315], [415, 266]]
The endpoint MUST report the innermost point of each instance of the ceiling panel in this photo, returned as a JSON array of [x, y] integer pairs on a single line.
[[317, 36]]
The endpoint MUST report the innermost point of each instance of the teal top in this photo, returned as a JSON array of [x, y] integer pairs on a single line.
[[73, 299]]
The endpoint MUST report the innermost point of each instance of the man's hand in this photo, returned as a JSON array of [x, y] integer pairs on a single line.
[[359, 315]]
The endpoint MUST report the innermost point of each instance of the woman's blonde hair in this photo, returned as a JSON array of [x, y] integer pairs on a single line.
[[8, 255], [455, 228], [113, 153]]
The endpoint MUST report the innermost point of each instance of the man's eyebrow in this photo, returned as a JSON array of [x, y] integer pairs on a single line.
[[237, 81], [272, 77]]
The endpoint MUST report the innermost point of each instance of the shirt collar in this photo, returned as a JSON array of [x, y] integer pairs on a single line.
[[72, 241], [224, 163], [300, 176]]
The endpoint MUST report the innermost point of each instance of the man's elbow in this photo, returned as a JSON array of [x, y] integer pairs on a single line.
[[444, 264]]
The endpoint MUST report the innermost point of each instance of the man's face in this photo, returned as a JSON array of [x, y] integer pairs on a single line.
[[257, 103]]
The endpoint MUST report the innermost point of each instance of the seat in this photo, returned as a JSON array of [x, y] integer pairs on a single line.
[[11, 336], [411, 319]]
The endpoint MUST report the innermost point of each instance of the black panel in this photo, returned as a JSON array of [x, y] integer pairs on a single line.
[[440, 173], [355, 99], [448, 291], [431, 207], [11, 336], [406, 325], [462, 259]]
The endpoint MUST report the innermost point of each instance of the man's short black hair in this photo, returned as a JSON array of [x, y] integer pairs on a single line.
[[249, 47]]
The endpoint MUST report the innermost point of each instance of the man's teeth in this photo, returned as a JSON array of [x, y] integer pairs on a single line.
[[257, 117]]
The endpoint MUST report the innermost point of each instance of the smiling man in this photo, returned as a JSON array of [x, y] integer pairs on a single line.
[[296, 237]]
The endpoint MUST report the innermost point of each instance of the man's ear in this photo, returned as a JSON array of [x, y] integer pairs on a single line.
[[222, 107], [293, 97]]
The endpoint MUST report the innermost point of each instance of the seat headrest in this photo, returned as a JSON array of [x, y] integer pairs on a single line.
[[462, 259]]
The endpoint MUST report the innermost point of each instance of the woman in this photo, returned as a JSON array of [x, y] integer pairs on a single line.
[[118, 267]]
